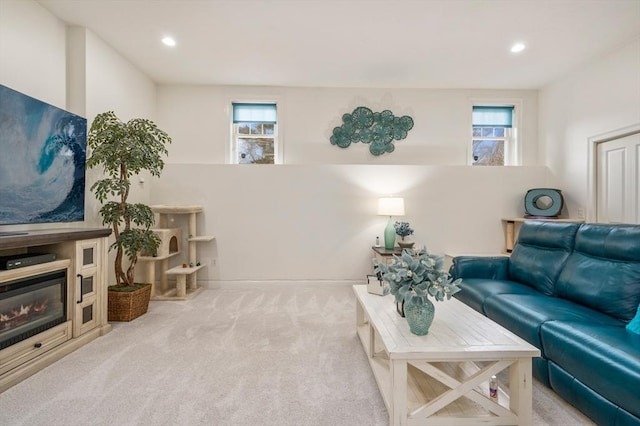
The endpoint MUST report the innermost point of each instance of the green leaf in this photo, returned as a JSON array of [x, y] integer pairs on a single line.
[[121, 150]]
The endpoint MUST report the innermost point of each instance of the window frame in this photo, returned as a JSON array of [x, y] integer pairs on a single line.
[[232, 146], [513, 145]]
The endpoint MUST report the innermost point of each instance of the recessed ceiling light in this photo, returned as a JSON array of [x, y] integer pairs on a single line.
[[518, 47], [169, 41]]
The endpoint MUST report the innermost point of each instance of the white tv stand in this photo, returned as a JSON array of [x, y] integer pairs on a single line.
[[83, 254]]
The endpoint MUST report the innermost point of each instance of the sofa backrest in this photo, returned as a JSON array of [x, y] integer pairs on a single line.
[[603, 271], [540, 253]]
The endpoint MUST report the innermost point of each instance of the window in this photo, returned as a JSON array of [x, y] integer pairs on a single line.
[[255, 133], [493, 142]]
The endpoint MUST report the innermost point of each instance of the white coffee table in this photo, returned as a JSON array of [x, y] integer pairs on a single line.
[[442, 378]]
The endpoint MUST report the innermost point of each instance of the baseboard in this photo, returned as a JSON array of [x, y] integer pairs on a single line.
[[278, 283]]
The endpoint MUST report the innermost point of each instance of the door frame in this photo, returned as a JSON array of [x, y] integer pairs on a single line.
[[592, 187]]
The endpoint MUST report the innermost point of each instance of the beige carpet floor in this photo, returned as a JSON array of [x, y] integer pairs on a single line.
[[248, 355]]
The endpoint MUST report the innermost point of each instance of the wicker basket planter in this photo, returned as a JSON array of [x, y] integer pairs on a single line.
[[129, 305]]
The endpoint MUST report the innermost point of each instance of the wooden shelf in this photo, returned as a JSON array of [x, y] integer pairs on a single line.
[[548, 219], [51, 236], [41, 268], [163, 209], [155, 258], [179, 270], [202, 238]]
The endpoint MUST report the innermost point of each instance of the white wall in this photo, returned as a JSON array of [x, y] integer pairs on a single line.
[[440, 136], [114, 84], [32, 51], [197, 117], [601, 97], [318, 222], [314, 217]]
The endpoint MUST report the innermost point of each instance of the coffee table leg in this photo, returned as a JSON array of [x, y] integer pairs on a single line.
[[521, 390], [359, 314], [398, 403]]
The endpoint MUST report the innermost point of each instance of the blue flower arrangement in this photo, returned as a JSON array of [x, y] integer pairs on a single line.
[[403, 229]]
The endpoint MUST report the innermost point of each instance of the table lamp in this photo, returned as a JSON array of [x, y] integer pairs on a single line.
[[390, 206]]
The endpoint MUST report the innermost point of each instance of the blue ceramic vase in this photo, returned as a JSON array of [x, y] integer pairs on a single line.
[[419, 317]]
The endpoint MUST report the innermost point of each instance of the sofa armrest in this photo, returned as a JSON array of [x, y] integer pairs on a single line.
[[490, 267]]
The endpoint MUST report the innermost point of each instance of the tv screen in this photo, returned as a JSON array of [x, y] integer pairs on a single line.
[[42, 161]]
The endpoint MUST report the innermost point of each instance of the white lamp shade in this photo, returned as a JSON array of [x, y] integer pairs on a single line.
[[391, 206]]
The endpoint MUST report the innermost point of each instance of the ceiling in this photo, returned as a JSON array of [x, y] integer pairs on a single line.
[[358, 43]]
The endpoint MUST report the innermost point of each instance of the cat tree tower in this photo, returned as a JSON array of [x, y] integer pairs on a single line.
[[185, 269]]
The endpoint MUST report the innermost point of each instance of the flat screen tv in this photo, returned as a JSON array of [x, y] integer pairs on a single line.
[[42, 161]]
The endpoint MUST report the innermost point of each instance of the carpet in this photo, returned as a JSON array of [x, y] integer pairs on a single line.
[[260, 354]]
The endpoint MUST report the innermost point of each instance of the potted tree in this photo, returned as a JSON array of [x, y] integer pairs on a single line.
[[122, 150]]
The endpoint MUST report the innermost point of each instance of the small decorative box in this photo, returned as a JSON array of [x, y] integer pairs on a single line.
[[375, 285]]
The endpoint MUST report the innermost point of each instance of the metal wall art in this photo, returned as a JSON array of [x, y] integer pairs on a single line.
[[378, 129]]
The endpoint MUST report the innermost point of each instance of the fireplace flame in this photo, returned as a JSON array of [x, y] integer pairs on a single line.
[[24, 311], [30, 306], [40, 307]]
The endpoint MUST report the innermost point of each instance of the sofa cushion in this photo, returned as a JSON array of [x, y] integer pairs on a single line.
[[618, 241], [603, 357], [634, 324], [476, 290], [540, 253], [596, 407], [494, 267], [524, 314], [603, 272]]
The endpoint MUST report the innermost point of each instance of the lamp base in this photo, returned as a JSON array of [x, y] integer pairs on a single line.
[[389, 235]]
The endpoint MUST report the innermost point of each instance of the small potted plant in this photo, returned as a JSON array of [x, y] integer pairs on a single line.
[[412, 278], [122, 150], [403, 229]]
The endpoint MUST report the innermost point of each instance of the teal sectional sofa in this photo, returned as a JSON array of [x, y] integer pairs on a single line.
[[571, 290]]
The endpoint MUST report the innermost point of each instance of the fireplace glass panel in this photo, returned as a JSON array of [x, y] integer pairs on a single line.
[[31, 306]]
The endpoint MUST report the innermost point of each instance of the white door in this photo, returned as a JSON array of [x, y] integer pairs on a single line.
[[618, 180]]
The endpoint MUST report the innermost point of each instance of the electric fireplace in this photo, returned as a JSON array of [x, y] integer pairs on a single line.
[[32, 305]]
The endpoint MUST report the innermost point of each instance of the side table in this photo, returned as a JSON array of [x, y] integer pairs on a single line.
[[384, 255]]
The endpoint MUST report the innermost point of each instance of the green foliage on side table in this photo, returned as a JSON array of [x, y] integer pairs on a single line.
[[122, 150]]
